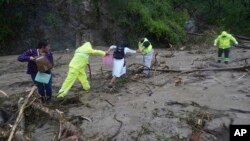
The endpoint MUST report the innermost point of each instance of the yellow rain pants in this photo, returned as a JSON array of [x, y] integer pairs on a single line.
[[77, 68]]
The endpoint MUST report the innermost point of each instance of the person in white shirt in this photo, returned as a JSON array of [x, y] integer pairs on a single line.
[[119, 64]]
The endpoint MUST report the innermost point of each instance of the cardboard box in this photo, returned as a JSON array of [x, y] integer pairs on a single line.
[[43, 64]]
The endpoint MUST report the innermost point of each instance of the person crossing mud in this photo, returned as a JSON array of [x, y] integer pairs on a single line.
[[224, 43], [119, 63], [41, 70], [77, 67], [146, 49]]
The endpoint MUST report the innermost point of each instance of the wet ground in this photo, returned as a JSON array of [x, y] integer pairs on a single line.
[[200, 105]]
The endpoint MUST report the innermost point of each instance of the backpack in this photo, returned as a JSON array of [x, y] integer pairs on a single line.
[[119, 52]]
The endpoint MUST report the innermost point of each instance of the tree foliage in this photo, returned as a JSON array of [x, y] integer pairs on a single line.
[[164, 19], [161, 20], [151, 18], [11, 20], [231, 15]]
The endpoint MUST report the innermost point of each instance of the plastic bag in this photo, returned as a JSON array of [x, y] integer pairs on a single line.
[[108, 60], [42, 77]]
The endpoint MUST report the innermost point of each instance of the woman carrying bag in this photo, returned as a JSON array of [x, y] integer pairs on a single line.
[[40, 63]]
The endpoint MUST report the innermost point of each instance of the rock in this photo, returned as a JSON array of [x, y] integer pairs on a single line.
[[216, 124], [5, 116], [241, 118], [190, 26], [195, 137]]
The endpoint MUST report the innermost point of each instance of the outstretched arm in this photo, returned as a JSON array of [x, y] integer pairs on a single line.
[[130, 51], [95, 52], [216, 41], [111, 48], [26, 56], [234, 40]]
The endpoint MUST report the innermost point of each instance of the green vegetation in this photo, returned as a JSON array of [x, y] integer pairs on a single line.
[[230, 15], [11, 21], [51, 19], [164, 19], [152, 18], [160, 20]]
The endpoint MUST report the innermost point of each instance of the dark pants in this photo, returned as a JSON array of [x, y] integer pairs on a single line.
[[45, 90], [226, 54]]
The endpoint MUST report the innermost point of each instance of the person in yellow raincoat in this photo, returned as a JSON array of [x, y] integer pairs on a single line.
[[224, 42], [77, 67], [147, 51]]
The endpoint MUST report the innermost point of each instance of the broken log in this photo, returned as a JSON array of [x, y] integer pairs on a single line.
[[196, 34], [240, 68], [242, 37], [240, 59], [59, 116], [20, 114], [243, 46]]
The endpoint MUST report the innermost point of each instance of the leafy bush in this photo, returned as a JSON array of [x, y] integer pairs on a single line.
[[230, 15], [151, 18]]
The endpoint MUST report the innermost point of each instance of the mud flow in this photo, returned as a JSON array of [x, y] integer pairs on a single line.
[[176, 103]]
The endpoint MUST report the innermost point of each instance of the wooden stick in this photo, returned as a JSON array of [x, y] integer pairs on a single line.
[[109, 102], [242, 37], [197, 34], [20, 114], [240, 68], [243, 46], [5, 94]]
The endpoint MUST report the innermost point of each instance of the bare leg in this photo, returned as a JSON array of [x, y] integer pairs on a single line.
[[112, 82]]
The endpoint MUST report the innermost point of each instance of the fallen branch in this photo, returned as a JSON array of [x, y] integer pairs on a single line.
[[86, 118], [2, 92], [109, 102], [197, 34], [89, 69], [240, 68], [20, 114], [58, 115], [240, 59], [118, 131], [242, 37], [243, 46]]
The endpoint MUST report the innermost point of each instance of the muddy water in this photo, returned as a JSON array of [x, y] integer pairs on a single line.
[[154, 108]]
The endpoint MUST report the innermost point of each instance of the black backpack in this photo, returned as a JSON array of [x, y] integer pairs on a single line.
[[119, 52]]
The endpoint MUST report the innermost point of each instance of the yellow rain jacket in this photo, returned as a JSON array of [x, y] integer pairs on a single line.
[[144, 51], [77, 67], [224, 40]]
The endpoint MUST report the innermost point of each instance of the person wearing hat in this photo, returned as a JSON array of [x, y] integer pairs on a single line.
[[119, 63], [31, 56], [223, 41], [146, 49], [77, 67]]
